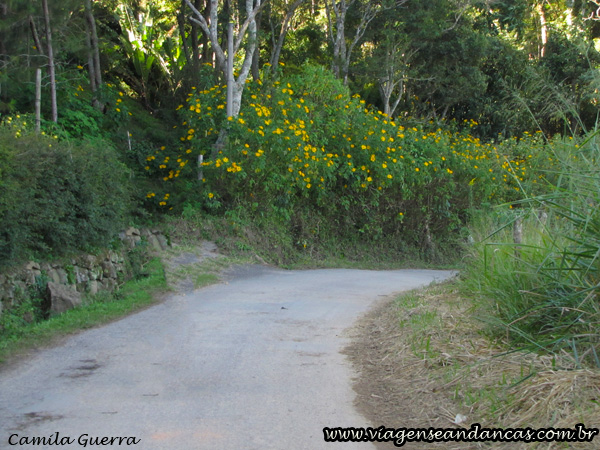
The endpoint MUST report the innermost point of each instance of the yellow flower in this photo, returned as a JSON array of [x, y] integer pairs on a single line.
[[211, 195]]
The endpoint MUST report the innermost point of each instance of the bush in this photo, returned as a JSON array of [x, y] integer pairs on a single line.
[[304, 151], [57, 197]]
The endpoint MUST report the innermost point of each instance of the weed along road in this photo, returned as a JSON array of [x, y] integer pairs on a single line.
[[253, 363]]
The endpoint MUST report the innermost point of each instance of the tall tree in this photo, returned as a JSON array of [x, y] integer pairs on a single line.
[[283, 31], [51, 66], [246, 32], [343, 46], [94, 68]]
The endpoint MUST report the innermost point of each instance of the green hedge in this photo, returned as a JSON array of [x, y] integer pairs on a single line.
[[58, 197]]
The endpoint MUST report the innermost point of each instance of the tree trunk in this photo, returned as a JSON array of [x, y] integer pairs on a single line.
[[249, 26], [181, 25], [543, 28], [36, 37], [95, 45], [256, 57], [51, 68], [94, 69], [207, 52], [196, 43], [38, 100], [336, 12], [285, 26]]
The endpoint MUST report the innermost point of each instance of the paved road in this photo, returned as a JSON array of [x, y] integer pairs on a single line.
[[253, 363]]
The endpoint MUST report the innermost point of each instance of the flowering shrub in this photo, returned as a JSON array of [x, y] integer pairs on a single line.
[[302, 143]]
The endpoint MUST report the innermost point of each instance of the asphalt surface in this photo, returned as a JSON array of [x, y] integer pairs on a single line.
[[253, 363]]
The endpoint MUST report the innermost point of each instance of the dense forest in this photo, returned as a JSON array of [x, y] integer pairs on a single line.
[[407, 130], [125, 72], [512, 65]]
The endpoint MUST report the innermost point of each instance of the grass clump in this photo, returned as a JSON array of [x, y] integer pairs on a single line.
[[427, 350], [536, 268]]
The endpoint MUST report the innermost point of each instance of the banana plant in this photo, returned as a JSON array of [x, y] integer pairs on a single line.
[[149, 49]]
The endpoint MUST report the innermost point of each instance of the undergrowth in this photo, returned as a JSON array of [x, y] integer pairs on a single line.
[[535, 268]]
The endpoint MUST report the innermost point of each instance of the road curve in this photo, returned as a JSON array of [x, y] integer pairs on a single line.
[[253, 363]]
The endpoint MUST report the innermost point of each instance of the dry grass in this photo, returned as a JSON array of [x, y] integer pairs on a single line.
[[422, 360]]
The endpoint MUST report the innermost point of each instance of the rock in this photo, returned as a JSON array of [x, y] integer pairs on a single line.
[[62, 275], [7, 295], [114, 257], [81, 275], [131, 237], [60, 298], [32, 265], [131, 231], [164, 244], [87, 261], [28, 273], [82, 287], [53, 275], [96, 273], [93, 287], [109, 284], [154, 243], [108, 269]]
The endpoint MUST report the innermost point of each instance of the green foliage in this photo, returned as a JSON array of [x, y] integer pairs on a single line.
[[543, 290], [58, 197], [304, 153]]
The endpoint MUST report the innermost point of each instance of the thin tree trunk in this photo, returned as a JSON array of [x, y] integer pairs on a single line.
[[195, 43], [285, 26], [91, 65], [38, 100], [51, 68], [36, 37], [181, 25], [256, 57], [543, 29], [94, 41], [207, 52]]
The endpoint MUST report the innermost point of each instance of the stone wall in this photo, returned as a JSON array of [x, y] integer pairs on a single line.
[[64, 281]]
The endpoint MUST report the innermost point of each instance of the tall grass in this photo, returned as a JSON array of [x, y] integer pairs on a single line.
[[541, 292]]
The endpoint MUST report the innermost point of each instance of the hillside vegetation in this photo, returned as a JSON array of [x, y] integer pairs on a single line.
[[381, 133]]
